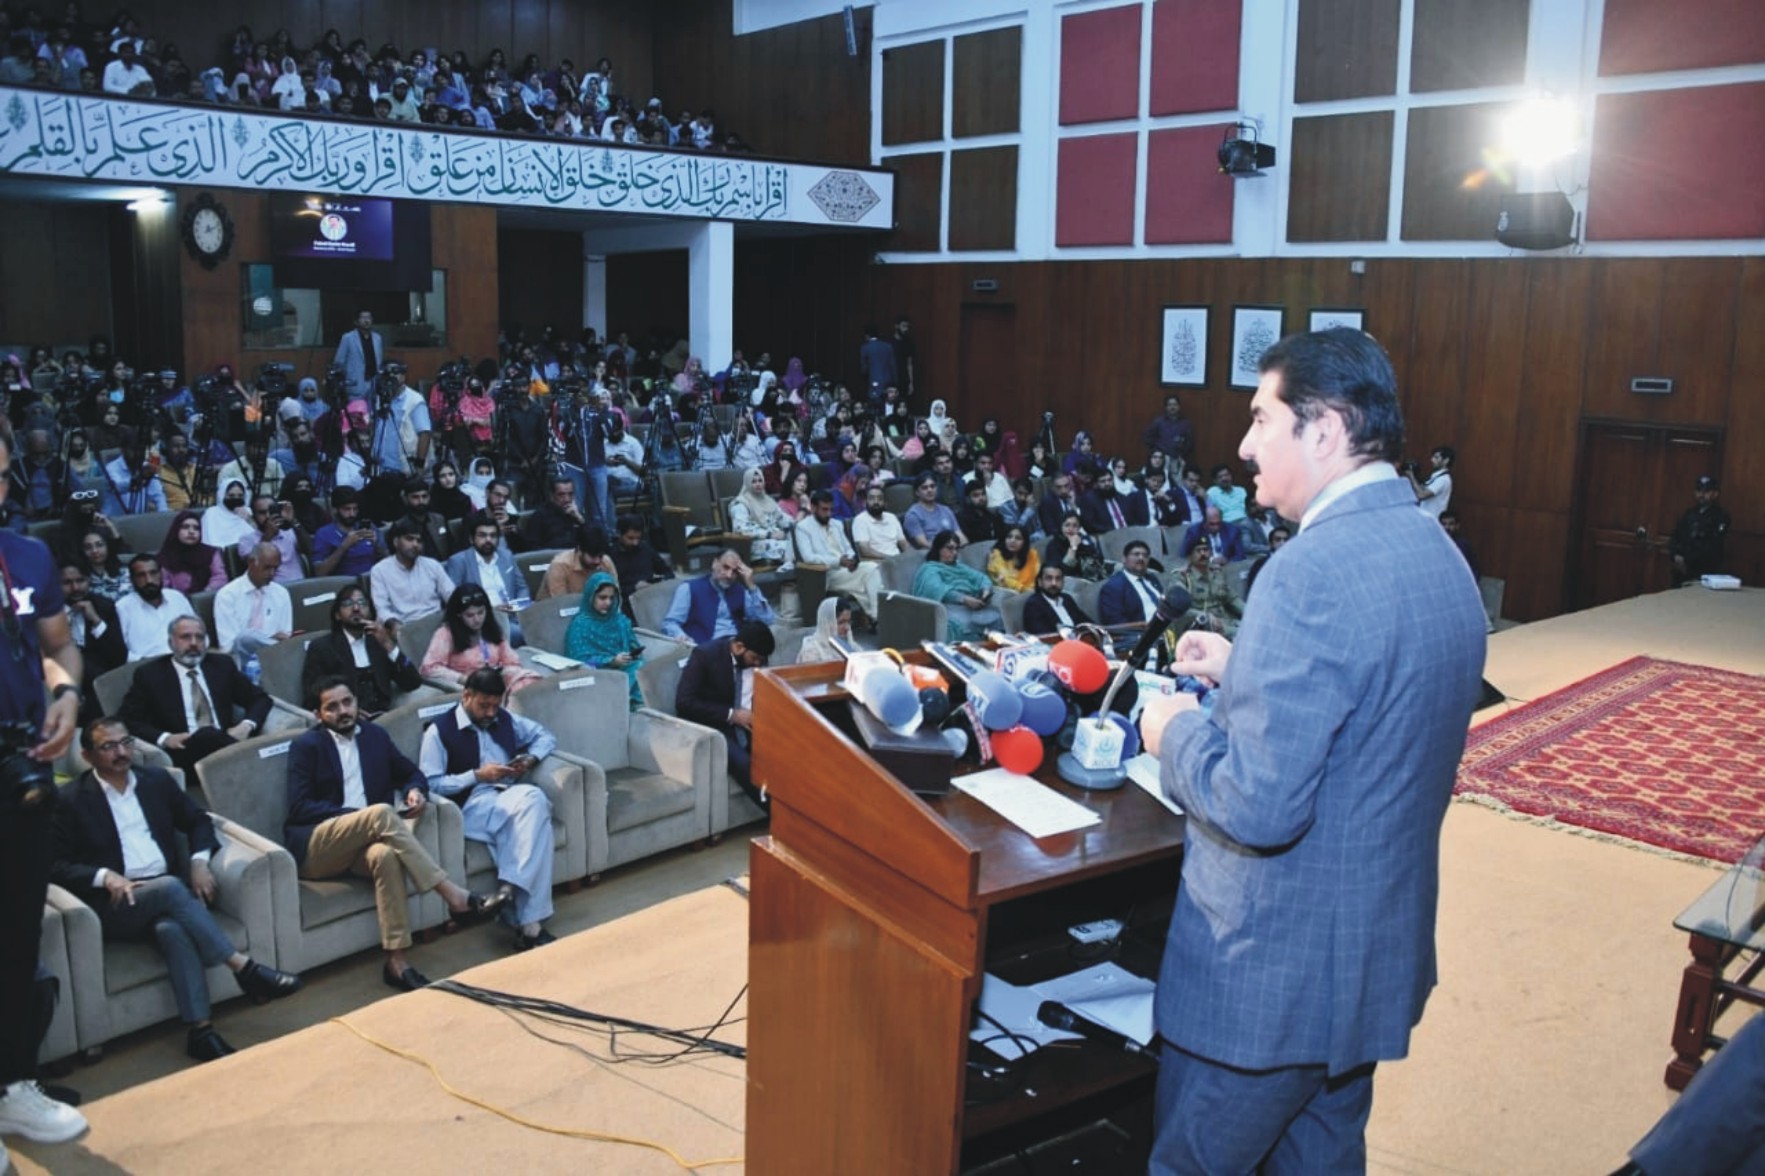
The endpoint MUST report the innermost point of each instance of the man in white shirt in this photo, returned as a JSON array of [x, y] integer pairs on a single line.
[[407, 584], [401, 440], [254, 610], [126, 75], [147, 613], [877, 531], [352, 467], [1434, 495], [115, 849], [821, 540], [998, 485]]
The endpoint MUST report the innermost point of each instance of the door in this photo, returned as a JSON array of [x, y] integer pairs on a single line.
[[1635, 481], [986, 367]]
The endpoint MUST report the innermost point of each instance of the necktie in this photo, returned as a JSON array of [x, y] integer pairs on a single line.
[[1115, 513], [1151, 596], [199, 697], [256, 623]]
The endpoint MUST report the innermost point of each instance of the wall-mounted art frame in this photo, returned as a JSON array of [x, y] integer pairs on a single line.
[[1322, 318], [1182, 347], [1254, 330]]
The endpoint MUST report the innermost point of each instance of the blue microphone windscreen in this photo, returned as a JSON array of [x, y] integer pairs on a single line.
[[996, 699], [890, 698], [1044, 711], [934, 704]]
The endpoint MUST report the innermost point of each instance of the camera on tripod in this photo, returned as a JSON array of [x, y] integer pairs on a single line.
[[452, 377], [388, 384], [272, 378]]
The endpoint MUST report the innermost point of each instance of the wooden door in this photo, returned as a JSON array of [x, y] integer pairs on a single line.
[[1634, 483]]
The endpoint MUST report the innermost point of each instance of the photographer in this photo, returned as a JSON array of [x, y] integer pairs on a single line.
[[586, 427], [274, 520], [1435, 494], [522, 433], [257, 470], [40, 652], [179, 475], [131, 482]]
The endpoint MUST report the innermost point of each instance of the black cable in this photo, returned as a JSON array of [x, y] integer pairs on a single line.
[[689, 1040]]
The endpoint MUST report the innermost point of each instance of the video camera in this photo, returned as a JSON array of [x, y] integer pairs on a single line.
[[272, 378], [452, 377]]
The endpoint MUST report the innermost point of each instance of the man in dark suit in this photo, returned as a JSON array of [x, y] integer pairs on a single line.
[[1051, 608], [184, 702], [1301, 950], [349, 794], [1130, 596], [1060, 501], [361, 651], [92, 622], [1105, 508], [714, 693], [432, 527], [117, 850]]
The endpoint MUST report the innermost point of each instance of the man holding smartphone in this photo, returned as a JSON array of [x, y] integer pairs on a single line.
[[346, 546], [478, 755]]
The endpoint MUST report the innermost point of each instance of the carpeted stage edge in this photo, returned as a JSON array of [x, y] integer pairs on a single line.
[[323, 1100], [1648, 751]]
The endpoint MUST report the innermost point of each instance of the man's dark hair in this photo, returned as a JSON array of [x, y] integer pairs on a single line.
[[89, 733], [1344, 370], [628, 522], [1025, 485], [345, 594], [487, 680], [923, 481], [325, 685], [480, 519], [1219, 469], [345, 496], [591, 540], [1128, 548], [402, 527], [817, 497], [1273, 531], [496, 483], [1446, 451], [755, 635], [556, 482], [142, 557], [940, 541], [1448, 513]]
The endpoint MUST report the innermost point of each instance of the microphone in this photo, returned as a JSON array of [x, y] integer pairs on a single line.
[[1176, 602], [1057, 1016], [888, 696]]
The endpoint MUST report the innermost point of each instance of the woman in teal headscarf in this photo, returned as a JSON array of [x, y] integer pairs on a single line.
[[966, 594], [601, 635]]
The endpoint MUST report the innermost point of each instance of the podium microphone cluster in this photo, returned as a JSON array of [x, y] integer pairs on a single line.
[[1095, 761]]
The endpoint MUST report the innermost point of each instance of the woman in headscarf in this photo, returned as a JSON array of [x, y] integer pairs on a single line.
[[303, 496], [782, 468], [96, 555], [849, 502], [470, 638], [964, 592], [601, 635], [477, 485], [988, 439], [1013, 563], [1040, 463], [755, 514], [833, 622], [81, 467], [914, 447], [287, 92], [943, 428], [794, 378], [189, 564], [1009, 460], [962, 456], [1082, 463], [445, 496], [229, 520], [110, 433]]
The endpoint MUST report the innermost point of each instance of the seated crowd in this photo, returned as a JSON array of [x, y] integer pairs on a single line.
[[979, 520], [475, 91]]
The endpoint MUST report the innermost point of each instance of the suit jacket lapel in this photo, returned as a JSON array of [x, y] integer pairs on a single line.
[[95, 815]]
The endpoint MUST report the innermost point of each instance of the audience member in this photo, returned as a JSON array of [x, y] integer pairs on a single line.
[[1213, 606], [1075, 551], [470, 637], [96, 554], [1061, 500], [116, 850], [275, 528], [1052, 609], [964, 592], [713, 605], [1112, 502], [833, 629], [407, 584], [254, 610], [1232, 501], [346, 546], [257, 471], [479, 755], [975, 519], [556, 521], [487, 564], [1194, 498], [131, 484], [1021, 510], [928, 517], [362, 652], [432, 527], [185, 702], [187, 563], [1163, 508], [1279, 536], [634, 561], [147, 613], [228, 522], [877, 533], [350, 792], [754, 514], [1013, 563], [822, 540], [716, 690], [1449, 522], [1131, 596], [601, 635], [1225, 540], [1170, 434], [92, 623]]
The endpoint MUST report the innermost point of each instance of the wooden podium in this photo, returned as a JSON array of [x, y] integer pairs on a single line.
[[874, 914]]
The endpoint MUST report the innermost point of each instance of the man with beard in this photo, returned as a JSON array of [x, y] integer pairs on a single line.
[[362, 652], [147, 613], [302, 452], [275, 528], [178, 473], [491, 566], [624, 458], [36, 478], [877, 533], [407, 584], [93, 624], [1061, 500], [976, 522], [555, 523], [131, 486], [1112, 504], [586, 428], [822, 540], [636, 562], [346, 546], [1051, 609], [432, 527], [352, 467], [184, 702]]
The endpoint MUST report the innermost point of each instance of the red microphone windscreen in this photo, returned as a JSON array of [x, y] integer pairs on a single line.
[[1018, 750], [1081, 668]]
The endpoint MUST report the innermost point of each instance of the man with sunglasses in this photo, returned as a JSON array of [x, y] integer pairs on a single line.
[[116, 849]]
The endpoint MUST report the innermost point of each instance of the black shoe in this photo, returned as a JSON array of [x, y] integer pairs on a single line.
[[263, 984], [205, 1045], [409, 980], [525, 942], [480, 907]]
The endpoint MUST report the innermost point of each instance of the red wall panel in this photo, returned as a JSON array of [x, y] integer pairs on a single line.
[[1194, 56], [1095, 201], [1100, 65], [1188, 201], [1678, 164], [1649, 36]]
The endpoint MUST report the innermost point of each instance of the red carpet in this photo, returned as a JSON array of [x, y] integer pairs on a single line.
[[1660, 752]]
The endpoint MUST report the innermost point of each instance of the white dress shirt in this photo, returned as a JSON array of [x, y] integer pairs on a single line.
[[490, 578], [235, 602], [141, 855], [145, 627], [349, 753]]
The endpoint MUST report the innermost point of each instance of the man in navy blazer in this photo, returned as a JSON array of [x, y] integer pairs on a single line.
[[489, 564], [1131, 594], [710, 694], [117, 850], [349, 792], [1301, 949]]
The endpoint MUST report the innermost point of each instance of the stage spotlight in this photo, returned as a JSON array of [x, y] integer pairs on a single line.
[[1540, 131], [1242, 155]]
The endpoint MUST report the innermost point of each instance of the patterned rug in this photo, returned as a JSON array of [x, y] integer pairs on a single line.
[[1659, 752]]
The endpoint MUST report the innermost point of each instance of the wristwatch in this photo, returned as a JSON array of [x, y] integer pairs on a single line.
[[64, 688]]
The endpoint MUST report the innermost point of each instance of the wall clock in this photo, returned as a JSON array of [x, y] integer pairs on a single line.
[[208, 230]]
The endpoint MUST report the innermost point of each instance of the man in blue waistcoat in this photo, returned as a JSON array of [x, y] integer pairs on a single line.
[[712, 606], [476, 755]]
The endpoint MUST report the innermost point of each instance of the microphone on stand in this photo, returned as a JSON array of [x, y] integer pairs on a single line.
[[1095, 761]]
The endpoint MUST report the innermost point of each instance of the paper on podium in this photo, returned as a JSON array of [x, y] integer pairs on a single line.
[[1109, 995], [1143, 770], [1030, 805], [1014, 1029]]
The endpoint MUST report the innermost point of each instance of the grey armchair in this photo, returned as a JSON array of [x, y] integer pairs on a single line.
[[72, 948]]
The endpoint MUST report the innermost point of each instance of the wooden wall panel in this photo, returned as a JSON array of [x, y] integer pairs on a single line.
[[983, 198], [1743, 457], [1445, 150], [1459, 45], [919, 181], [1347, 49], [1434, 382], [1625, 336], [1645, 36], [1700, 321], [536, 283], [1340, 167], [1489, 409], [58, 275], [913, 93], [984, 83]]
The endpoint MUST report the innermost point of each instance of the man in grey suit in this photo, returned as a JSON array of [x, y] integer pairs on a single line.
[[360, 354], [489, 564], [1301, 950]]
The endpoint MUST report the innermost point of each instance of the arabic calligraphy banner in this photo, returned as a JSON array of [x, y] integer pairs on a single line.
[[72, 136]]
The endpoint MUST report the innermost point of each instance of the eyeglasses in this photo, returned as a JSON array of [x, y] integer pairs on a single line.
[[125, 743], [84, 496]]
